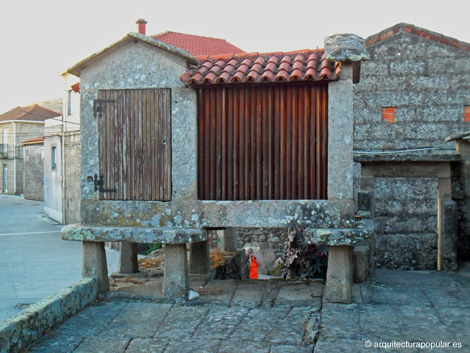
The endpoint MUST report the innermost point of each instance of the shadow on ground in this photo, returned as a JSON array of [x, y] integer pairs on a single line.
[[392, 308]]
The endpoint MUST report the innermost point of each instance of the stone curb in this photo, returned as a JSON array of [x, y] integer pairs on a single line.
[[23, 328]]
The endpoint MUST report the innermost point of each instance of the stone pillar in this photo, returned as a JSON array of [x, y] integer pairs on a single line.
[[230, 239], [128, 257], [446, 227], [348, 49], [447, 235], [339, 275], [199, 258], [94, 264], [175, 279]]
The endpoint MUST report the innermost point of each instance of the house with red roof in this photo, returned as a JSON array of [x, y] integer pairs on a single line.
[[16, 126]]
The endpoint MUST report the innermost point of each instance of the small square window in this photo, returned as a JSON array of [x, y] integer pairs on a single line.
[[388, 114], [466, 113]]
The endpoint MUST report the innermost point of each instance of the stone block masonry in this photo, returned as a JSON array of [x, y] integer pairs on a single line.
[[427, 82], [23, 328]]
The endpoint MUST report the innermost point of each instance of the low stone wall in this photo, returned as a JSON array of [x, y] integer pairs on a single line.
[[276, 237], [23, 328]]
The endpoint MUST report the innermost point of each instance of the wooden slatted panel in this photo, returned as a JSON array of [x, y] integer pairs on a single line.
[[135, 144], [263, 142]]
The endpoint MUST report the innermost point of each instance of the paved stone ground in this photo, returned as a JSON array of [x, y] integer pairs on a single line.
[[34, 262], [279, 317]]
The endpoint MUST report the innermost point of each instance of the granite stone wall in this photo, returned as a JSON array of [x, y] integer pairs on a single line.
[[72, 178], [34, 172], [406, 223], [427, 82]]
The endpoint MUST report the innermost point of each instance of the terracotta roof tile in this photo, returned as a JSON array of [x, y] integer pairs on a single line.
[[197, 45], [33, 141], [307, 65], [30, 113]]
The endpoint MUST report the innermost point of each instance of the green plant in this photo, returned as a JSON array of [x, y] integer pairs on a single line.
[[302, 259], [153, 247]]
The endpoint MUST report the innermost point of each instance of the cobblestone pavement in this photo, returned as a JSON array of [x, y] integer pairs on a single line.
[[420, 308]]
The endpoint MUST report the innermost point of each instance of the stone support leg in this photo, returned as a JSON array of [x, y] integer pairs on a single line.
[[339, 275], [128, 259], [94, 264], [199, 258], [230, 239], [176, 280]]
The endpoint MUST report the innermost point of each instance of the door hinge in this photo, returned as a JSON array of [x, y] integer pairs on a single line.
[[99, 185], [98, 106]]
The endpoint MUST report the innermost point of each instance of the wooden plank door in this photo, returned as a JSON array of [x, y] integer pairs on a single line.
[[135, 144]]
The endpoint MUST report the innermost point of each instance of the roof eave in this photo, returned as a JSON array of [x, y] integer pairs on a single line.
[[130, 37], [22, 121]]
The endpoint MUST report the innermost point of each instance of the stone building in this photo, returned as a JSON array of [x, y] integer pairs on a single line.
[[33, 152], [414, 92], [62, 159], [63, 197], [18, 125], [161, 163]]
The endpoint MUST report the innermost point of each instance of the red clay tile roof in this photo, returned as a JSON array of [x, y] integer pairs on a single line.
[[33, 141], [197, 45], [30, 113], [303, 65], [386, 33]]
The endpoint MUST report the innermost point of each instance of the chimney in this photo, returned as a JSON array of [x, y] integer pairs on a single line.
[[141, 26]]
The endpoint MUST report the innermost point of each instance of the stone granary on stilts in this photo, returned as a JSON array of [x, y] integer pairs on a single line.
[[174, 146]]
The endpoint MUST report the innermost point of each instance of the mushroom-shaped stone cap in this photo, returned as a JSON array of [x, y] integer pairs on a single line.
[[345, 47]]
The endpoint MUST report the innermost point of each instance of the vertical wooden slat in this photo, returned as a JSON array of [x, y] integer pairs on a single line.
[[325, 142], [294, 144], [247, 177], [242, 145], [223, 149], [277, 143], [167, 147], [236, 144], [207, 146], [201, 141], [283, 145], [258, 144], [269, 146], [230, 140]]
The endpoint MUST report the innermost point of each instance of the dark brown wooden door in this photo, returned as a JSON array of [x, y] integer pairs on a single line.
[[263, 142], [135, 144]]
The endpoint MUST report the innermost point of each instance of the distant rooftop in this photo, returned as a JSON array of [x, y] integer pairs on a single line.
[[197, 45], [33, 112]]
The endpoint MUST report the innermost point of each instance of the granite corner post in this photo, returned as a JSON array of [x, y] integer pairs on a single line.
[[446, 227], [349, 50]]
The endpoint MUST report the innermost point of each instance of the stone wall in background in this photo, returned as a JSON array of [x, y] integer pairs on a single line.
[[72, 178], [276, 237], [34, 172], [427, 82], [406, 223]]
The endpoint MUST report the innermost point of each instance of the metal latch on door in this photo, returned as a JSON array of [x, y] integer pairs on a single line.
[[99, 182]]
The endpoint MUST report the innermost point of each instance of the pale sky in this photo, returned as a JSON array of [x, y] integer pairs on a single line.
[[40, 39]]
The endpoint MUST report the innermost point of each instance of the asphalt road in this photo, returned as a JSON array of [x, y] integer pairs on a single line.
[[34, 261]]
